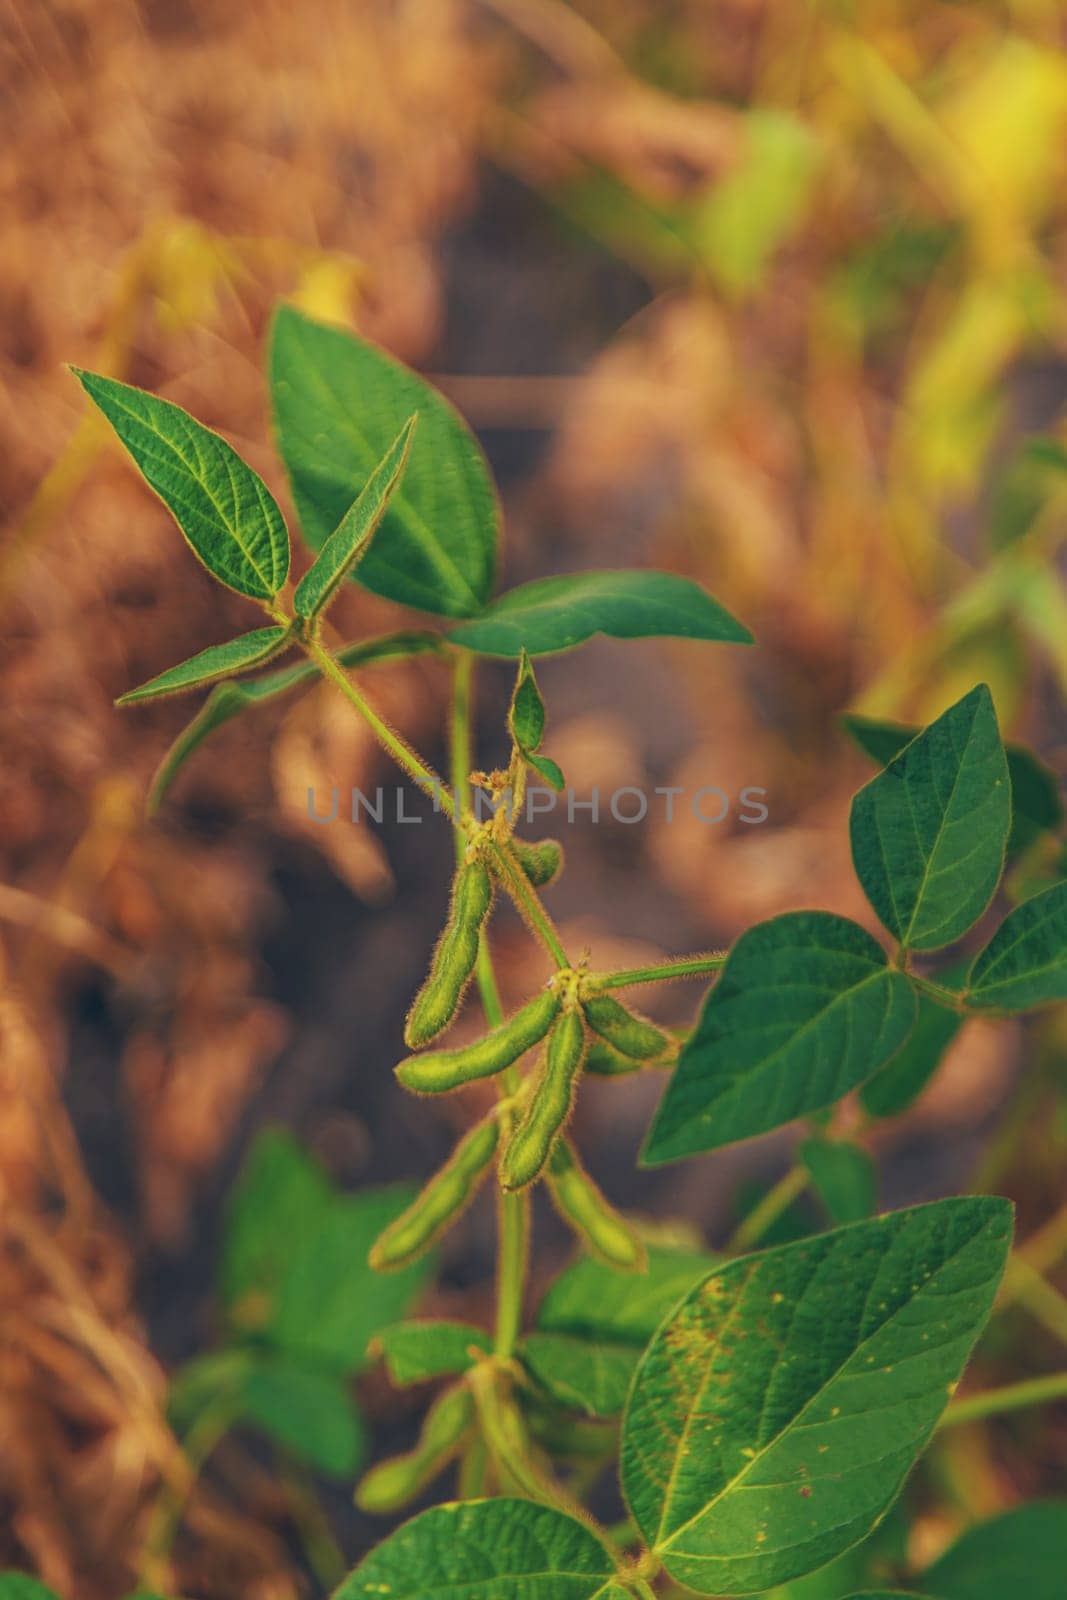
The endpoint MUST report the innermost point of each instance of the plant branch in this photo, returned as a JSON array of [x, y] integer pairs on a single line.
[[677, 967], [1012, 1397], [763, 1216], [419, 771]]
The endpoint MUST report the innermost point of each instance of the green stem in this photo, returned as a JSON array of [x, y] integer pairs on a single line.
[[681, 967], [324, 1555], [763, 1216], [402, 753], [527, 901], [213, 1422], [952, 999], [513, 1210], [1013, 1397]]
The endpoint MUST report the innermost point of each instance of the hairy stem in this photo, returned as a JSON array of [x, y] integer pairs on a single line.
[[417, 770], [677, 967], [1013, 1397], [513, 1210]]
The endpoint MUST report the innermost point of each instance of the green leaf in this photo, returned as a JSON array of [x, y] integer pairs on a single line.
[[1023, 1551], [843, 1176], [903, 1078], [580, 1374], [886, 1594], [295, 1274], [526, 714], [224, 509], [805, 1009], [593, 1301], [414, 1352], [554, 614], [929, 833], [1025, 962], [775, 1415], [350, 540], [229, 700], [549, 770], [277, 1204], [329, 1303], [339, 402], [217, 661], [1036, 807], [20, 1586], [594, 1323], [311, 1414], [485, 1550]]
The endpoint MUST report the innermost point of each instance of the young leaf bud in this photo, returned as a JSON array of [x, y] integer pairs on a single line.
[[630, 1034], [549, 1105], [441, 1070], [440, 1203]]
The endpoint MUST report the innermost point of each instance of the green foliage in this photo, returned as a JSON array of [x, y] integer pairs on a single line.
[[594, 1323], [1022, 1551], [843, 1176], [769, 1405], [1036, 807], [850, 1344], [301, 1307], [1025, 962], [224, 509], [253, 649], [902, 1080], [349, 542], [526, 714], [20, 1586], [415, 1352], [929, 833], [555, 614], [339, 405], [806, 1008], [504, 1548], [228, 700]]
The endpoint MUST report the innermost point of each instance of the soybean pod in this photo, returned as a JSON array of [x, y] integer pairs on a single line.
[[596, 1222], [541, 862], [444, 1198], [630, 1034], [395, 1483], [549, 1105], [454, 958], [440, 1070], [604, 1061]]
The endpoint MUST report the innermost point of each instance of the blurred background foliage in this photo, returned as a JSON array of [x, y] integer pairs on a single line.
[[769, 293]]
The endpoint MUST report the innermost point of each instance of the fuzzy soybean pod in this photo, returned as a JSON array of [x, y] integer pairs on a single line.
[[597, 1224], [630, 1034], [440, 1070], [454, 958], [444, 1198], [393, 1484], [604, 1061], [542, 862], [549, 1105]]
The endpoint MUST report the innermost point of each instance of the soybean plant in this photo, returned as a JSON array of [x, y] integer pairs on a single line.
[[766, 1408]]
